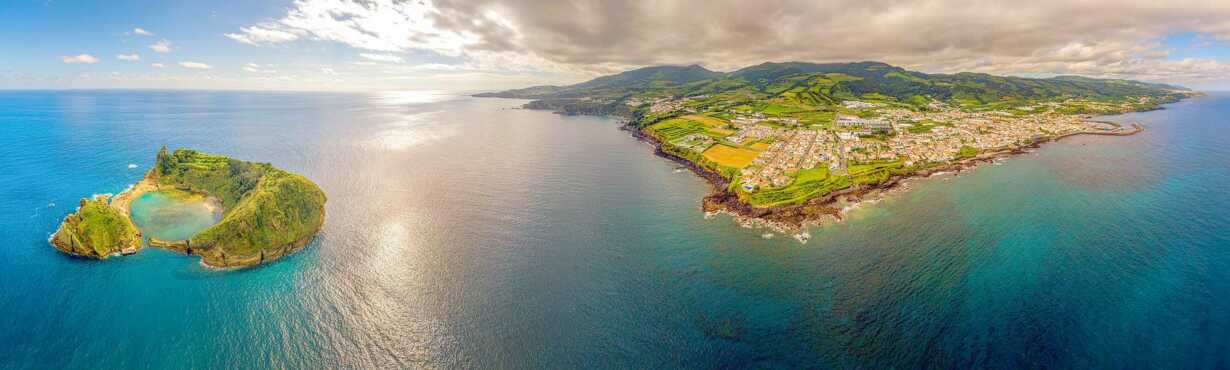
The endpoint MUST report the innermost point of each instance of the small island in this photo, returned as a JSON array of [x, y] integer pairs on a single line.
[[263, 212]]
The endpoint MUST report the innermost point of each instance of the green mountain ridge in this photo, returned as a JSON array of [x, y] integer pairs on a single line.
[[825, 85]]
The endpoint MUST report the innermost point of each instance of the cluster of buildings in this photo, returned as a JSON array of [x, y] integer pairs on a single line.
[[753, 132], [982, 131], [942, 133], [796, 150], [862, 126], [665, 105]]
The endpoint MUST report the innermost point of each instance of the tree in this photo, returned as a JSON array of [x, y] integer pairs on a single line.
[[163, 161]]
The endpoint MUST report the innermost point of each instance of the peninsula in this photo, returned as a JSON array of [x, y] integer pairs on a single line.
[[787, 144], [267, 213]]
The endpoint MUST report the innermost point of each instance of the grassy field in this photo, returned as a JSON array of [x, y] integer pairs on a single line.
[[925, 126], [705, 120], [678, 127], [759, 146], [675, 128], [815, 174], [873, 173], [967, 151], [729, 156], [806, 185]]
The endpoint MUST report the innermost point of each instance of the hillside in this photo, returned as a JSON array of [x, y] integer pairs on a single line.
[[96, 230], [811, 86], [267, 211], [657, 77]]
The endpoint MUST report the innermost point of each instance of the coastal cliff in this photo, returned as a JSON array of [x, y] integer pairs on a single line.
[[96, 230]]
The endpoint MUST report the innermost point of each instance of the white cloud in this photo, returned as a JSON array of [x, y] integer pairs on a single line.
[[195, 65], [257, 68], [81, 58], [128, 57], [588, 37], [142, 32], [162, 46], [157, 65], [263, 34], [380, 25], [382, 57], [328, 71]]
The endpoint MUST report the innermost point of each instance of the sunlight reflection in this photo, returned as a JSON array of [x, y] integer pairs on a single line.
[[409, 131], [409, 97]]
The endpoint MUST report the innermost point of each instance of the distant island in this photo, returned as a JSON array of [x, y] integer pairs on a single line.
[[787, 144], [267, 212]]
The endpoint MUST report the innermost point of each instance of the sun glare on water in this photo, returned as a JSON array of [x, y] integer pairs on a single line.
[[410, 130], [409, 97]]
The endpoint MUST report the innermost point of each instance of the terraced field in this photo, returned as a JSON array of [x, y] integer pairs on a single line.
[[807, 184]]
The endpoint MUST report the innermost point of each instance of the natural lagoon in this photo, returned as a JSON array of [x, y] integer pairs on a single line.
[[174, 215]]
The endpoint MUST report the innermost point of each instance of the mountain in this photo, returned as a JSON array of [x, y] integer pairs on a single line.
[[812, 86], [637, 79]]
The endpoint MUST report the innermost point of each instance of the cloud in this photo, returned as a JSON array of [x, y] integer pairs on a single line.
[[382, 57], [381, 25], [1094, 37], [81, 58], [195, 65], [328, 71], [257, 68], [157, 65], [162, 46], [264, 34], [128, 57], [142, 32]]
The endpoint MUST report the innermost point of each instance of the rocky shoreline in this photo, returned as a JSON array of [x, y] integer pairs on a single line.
[[795, 219]]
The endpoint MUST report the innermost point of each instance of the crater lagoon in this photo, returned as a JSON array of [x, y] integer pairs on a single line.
[[174, 215]]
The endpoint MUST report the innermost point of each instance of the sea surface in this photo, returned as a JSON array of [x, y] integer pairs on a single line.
[[463, 233]]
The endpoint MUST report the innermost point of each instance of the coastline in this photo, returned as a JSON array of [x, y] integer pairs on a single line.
[[796, 219], [121, 202], [215, 260]]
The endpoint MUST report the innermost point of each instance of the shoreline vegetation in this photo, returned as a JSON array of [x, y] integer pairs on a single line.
[[788, 146], [267, 213]]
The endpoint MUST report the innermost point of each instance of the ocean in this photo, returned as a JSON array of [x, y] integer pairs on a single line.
[[464, 233]]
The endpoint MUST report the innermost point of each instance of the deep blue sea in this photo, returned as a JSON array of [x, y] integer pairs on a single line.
[[465, 234]]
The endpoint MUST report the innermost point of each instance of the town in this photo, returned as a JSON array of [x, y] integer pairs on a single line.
[[763, 153]]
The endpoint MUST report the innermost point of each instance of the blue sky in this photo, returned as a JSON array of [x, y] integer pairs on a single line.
[[39, 34], [492, 44], [1194, 45]]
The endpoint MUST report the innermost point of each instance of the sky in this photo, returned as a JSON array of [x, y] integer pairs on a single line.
[[469, 45]]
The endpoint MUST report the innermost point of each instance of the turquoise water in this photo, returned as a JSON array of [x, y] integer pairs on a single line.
[[163, 216], [464, 234]]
